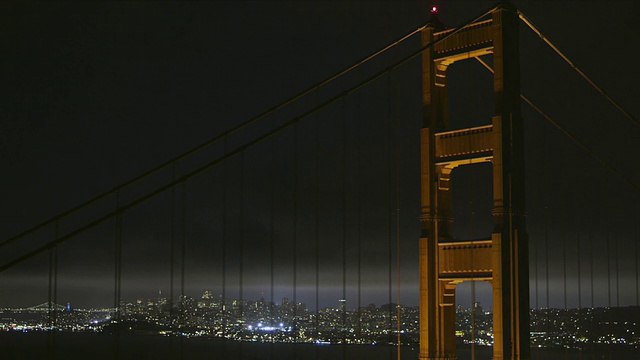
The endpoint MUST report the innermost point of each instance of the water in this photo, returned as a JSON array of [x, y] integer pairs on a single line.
[[38, 345]]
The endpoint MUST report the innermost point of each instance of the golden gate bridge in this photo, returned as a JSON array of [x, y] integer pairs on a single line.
[[292, 205]]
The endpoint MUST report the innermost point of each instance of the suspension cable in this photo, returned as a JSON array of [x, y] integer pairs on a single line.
[[398, 254], [241, 234], [295, 236], [344, 228], [636, 254], [591, 268], [52, 308], [236, 151], [580, 330], [50, 291], [241, 245], [316, 220], [55, 282], [183, 245], [546, 273], [272, 238], [535, 262], [526, 20], [172, 241], [608, 242], [183, 250], [223, 306], [591, 323], [358, 171], [390, 211], [617, 262], [55, 291], [564, 268], [473, 282], [582, 145], [579, 276], [117, 268], [215, 139]]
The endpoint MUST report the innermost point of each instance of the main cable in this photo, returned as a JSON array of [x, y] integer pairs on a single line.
[[239, 149], [530, 24], [213, 140], [573, 138]]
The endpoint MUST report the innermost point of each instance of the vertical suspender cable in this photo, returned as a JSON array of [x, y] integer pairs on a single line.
[[535, 262], [564, 268], [580, 331], [295, 238], [183, 250], [579, 276], [636, 253], [390, 212], [55, 287], [120, 219], [617, 262], [117, 277], [358, 190], [564, 275], [52, 301], [50, 291], [580, 312], [50, 295], [591, 268], [591, 325], [223, 306], [272, 238], [398, 255], [241, 250], [183, 245], [344, 228], [537, 307], [546, 262], [172, 258], [608, 270], [473, 283], [317, 229]]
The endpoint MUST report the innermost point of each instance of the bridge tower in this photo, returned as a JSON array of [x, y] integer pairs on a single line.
[[501, 259]]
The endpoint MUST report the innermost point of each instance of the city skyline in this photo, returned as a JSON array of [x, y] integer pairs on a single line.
[[262, 321]]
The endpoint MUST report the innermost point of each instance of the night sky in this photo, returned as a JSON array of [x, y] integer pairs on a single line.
[[95, 94]]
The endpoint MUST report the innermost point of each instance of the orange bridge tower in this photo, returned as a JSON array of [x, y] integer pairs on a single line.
[[502, 258]]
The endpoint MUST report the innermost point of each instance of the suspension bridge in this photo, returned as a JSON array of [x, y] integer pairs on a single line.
[[282, 232]]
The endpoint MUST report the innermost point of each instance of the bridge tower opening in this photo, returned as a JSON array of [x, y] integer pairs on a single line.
[[502, 257]]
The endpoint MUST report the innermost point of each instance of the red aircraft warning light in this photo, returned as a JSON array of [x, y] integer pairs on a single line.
[[434, 10]]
